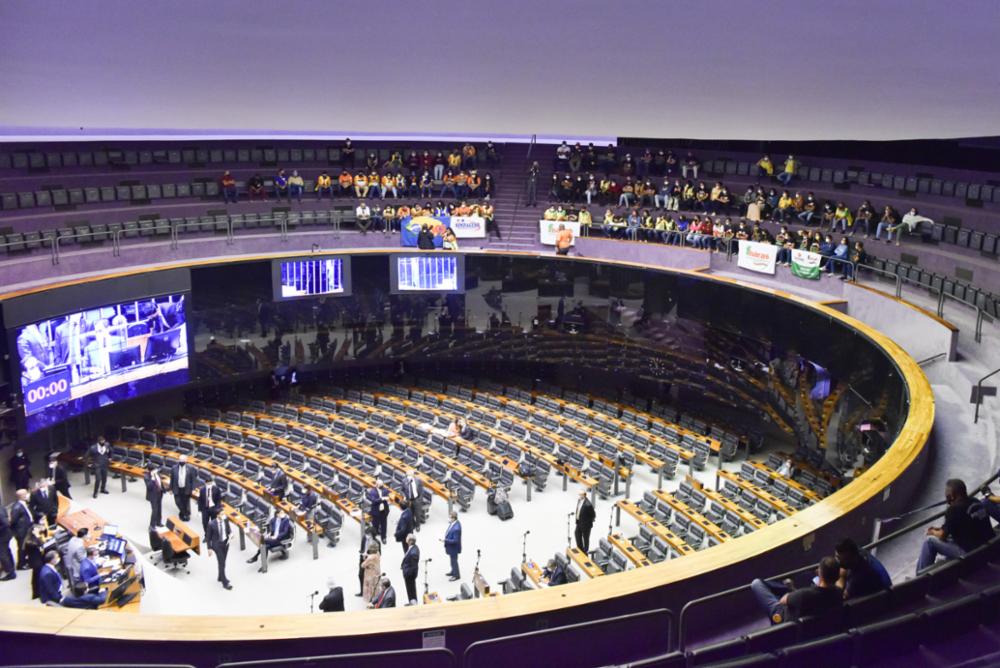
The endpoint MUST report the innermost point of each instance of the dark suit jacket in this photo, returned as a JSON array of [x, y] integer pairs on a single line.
[[188, 481], [404, 526], [284, 528], [58, 475], [386, 599], [214, 538], [333, 601], [453, 539], [154, 492], [5, 531], [97, 459], [211, 499], [587, 515], [47, 505], [278, 483], [20, 520], [411, 562], [308, 501], [49, 585]]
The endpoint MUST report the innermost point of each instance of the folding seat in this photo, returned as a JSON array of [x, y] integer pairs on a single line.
[[197, 189], [108, 193], [183, 189], [658, 550], [25, 200], [59, 197], [146, 228]]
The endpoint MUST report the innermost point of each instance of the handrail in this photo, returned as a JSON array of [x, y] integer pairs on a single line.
[[932, 358], [681, 626], [979, 393]]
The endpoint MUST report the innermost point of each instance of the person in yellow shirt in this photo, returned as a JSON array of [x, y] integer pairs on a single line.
[[550, 213], [324, 184], [461, 185], [765, 167], [842, 216], [389, 186], [784, 208], [791, 168], [360, 186], [454, 160], [374, 189], [584, 218], [389, 215]]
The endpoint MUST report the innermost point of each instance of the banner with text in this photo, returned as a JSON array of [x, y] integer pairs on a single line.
[[758, 257], [468, 227], [806, 264], [547, 230], [409, 228]]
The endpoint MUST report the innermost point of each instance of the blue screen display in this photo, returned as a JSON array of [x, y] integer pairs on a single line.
[[81, 361], [427, 273], [307, 278]]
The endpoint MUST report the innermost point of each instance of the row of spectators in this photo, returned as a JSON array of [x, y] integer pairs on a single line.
[[465, 157], [389, 218], [589, 158], [756, 204], [361, 185]]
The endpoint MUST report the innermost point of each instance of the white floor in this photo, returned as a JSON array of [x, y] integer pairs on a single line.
[[287, 586]]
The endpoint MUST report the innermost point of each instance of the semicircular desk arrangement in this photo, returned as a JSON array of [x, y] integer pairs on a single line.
[[800, 538]]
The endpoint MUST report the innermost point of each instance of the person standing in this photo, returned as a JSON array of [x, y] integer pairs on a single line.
[[404, 525], [414, 490], [57, 474], [50, 583], [371, 568], [76, 552], [6, 558], [453, 545], [209, 503], [217, 535], [279, 482], [21, 521], [154, 494], [334, 599], [411, 567], [584, 522], [378, 498], [34, 548], [181, 486], [43, 501], [100, 459], [564, 240], [20, 470], [532, 189]]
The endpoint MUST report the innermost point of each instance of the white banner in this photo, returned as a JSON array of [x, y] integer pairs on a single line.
[[468, 227], [547, 230], [758, 257]]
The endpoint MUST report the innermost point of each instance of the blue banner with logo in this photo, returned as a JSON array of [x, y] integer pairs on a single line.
[[410, 227]]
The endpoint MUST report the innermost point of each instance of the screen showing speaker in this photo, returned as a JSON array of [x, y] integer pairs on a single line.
[[313, 277], [92, 358], [431, 272]]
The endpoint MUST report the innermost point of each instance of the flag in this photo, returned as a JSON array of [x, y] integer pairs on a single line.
[[806, 264]]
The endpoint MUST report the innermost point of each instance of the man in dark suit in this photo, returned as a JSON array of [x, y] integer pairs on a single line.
[[209, 502], [453, 545], [89, 576], [410, 567], [217, 535], [334, 599], [100, 459], [21, 519], [50, 583], [386, 598], [57, 474], [154, 494], [584, 522], [307, 501], [278, 483], [44, 502], [279, 530], [413, 490], [6, 558], [181, 485], [404, 526]]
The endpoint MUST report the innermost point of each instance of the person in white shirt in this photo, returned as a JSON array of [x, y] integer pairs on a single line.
[[786, 469], [364, 216], [911, 221]]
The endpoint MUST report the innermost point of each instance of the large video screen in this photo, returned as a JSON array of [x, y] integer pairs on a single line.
[[314, 277], [85, 360], [435, 272]]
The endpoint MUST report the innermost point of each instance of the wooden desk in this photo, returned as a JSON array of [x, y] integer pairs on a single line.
[[637, 558], [346, 505], [584, 563], [762, 494], [736, 509], [435, 486], [82, 519], [794, 484], [534, 573], [181, 536], [63, 506], [571, 472], [711, 529], [656, 527]]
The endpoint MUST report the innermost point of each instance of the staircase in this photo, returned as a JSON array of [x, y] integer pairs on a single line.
[[519, 224]]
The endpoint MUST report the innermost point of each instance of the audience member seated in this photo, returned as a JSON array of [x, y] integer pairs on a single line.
[[83, 598], [279, 530], [50, 583], [966, 527], [324, 184], [789, 171], [228, 184], [861, 573], [554, 573], [784, 603], [89, 577], [255, 188]]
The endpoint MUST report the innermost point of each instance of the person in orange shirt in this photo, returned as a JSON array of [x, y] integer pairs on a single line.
[[345, 181], [475, 182], [461, 185], [360, 185], [448, 184], [469, 156], [463, 209], [374, 190], [389, 186], [324, 184], [564, 239]]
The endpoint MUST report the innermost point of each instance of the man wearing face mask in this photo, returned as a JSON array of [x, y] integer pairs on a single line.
[[20, 470]]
